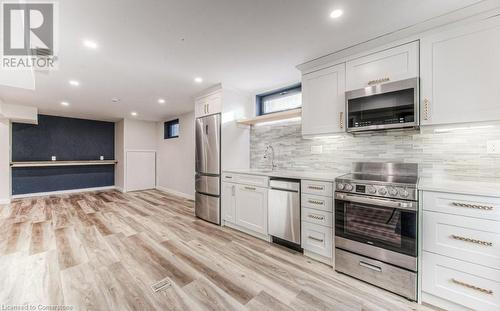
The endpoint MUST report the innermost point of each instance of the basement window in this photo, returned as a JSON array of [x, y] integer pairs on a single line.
[[171, 129], [280, 100]]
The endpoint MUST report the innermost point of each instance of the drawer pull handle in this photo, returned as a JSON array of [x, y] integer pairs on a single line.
[[315, 239], [316, 187], [317, 217], [250, 188], [482, 290], [369, 266], [229, 177], [475, 206], [461, 238], [316, 202]]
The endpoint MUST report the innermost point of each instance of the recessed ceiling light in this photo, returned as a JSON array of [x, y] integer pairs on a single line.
[[198, 80], [134, 114], [90, 44], [115, 100], [65, 104], [161, 101], [336, 13], [74, 82]]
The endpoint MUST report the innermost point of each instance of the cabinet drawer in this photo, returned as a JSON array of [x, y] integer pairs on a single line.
[[252, 180], [465, 205], [317, 202], [317, 239], [317, 188], [388, 277], [470, 239], [466, 284], [317, 217]]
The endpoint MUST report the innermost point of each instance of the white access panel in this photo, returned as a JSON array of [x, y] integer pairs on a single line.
[[140, 170]]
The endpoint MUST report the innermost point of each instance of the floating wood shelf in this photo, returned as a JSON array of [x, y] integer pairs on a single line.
[[284, 115], [62, 163]]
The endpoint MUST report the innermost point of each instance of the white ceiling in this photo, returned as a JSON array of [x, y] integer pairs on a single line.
[[152, 49]]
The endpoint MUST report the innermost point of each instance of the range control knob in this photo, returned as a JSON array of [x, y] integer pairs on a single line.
[[393, 191], [371, 190], [349, 187], [404, 193], [340, 186], [382, 191]]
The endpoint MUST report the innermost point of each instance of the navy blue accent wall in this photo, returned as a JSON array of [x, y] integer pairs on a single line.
[[57, 178], [68, 139]]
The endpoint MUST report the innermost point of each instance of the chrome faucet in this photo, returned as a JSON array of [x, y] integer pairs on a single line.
[[270, 153]]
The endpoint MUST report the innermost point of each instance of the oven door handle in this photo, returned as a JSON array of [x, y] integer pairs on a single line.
[[410, 206]]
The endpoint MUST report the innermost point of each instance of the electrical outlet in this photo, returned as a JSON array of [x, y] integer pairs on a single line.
[[316, 149], [493, 146]]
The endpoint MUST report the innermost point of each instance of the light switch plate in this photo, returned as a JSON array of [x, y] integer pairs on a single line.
[[316, 149], [493, 147]]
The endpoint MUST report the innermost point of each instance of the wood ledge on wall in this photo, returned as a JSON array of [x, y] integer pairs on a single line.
[[277, 116], [62, 163]]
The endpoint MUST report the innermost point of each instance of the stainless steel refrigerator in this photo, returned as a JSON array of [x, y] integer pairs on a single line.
[[208, 168]]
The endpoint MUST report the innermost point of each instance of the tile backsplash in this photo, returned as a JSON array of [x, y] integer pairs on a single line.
[[453, 151]]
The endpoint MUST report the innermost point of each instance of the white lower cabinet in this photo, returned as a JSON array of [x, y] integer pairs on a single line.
[[317, 239], [466, 284], [317, 220], [460, 251], [228, 202], [251, 208]]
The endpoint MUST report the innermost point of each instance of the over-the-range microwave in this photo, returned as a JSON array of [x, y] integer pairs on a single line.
[[393, 105]]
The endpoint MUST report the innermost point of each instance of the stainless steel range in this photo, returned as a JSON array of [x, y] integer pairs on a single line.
[[376, 225]]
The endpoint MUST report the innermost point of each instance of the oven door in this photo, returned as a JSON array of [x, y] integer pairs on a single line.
[[387, 106], [386, 224]]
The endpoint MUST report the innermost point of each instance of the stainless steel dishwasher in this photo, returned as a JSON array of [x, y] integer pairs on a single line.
[[284, 211]]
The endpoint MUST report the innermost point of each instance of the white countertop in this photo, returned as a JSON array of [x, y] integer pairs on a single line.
[[306, 175], [483, 187]]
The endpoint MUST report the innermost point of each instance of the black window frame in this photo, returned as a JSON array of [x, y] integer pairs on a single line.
[[167, 129], [261, 97]]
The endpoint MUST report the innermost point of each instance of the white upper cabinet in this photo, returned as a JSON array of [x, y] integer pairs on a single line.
[[461, 74], [398, 63], [209, 104], [323, 101]]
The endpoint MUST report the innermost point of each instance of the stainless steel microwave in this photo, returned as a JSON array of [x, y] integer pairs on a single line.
[[393, 105]]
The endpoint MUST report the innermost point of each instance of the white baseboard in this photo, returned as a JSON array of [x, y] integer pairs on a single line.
[[120, 189], [41, 194], [175, 192], [4, 201]]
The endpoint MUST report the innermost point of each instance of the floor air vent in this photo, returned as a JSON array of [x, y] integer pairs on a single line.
[[161, 285]]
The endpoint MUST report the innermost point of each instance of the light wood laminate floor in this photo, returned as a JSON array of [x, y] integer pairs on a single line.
[[104, 250]]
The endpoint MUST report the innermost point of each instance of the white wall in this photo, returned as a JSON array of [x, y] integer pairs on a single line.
[[175, 158], [139, 135], [119, 155], [4, 161], [132, 135]]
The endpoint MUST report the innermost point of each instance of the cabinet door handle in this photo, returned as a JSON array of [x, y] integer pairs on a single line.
[[479, 289], [316, 202], [317, 217], [316, 187], [233, 191], [474, 206], [378, 81], [341, 120], [464, 239], [229, 177], [315, 239], [250, 188], [370, 266], [426, 109]]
